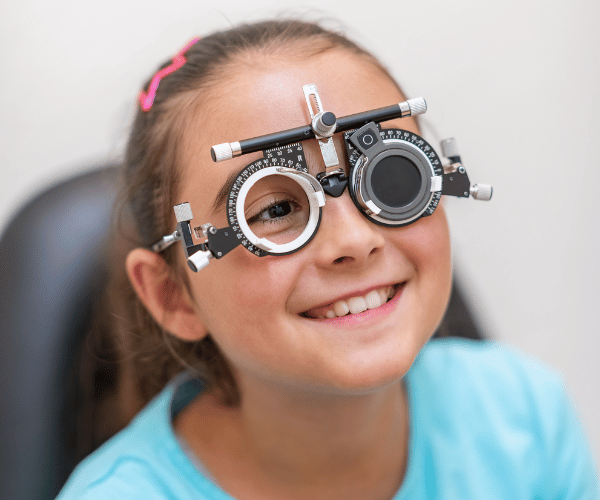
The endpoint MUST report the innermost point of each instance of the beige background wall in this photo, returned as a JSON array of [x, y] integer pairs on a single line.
[[515, 82]]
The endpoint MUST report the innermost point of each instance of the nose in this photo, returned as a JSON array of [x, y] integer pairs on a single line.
[[345, 236]]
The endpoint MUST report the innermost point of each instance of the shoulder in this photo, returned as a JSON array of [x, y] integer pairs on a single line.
[[468, 365], [501, 413], [130, 477], [139, 462], [489, 384]]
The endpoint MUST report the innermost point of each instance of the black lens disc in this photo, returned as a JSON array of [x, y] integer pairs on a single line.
[[395, 181]]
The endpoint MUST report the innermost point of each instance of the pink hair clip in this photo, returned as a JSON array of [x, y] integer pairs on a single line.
[[147, 98]]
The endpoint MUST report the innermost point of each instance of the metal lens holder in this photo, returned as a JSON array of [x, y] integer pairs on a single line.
[[395, 175], [395, 178], [314, 193]]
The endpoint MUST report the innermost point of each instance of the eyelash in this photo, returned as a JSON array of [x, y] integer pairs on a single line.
[[269, 205]]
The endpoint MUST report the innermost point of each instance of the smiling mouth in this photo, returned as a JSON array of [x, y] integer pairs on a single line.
[[355, 305]]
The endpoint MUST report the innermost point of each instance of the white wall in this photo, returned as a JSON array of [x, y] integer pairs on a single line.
[[515, 82]]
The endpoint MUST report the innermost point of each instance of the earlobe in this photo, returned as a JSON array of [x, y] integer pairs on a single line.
[[165, 299]]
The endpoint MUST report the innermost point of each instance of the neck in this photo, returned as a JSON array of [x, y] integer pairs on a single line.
[[325, 428], [356, 444]]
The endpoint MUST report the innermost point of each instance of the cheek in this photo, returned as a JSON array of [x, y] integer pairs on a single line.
[[242, 290], [427, 245], [242, 302], [433, 243]]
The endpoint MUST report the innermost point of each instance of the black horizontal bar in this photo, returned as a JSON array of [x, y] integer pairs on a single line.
[[306, 132], [277, 139], [375, 115]]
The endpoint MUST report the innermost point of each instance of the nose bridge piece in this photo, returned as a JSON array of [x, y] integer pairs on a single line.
[[333, 184]]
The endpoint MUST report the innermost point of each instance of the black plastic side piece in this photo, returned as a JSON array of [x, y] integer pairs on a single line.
[[456, 184], [222, 242]]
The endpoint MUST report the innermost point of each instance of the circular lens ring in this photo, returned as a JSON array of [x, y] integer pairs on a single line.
[[237, 198], [423, 191], [412, 147]]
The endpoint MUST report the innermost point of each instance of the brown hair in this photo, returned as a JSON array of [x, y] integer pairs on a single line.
[[128, 352]]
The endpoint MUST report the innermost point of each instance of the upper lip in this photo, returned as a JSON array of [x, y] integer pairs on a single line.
[[357, 293]]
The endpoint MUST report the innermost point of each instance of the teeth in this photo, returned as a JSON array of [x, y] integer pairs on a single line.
[[341, 308], [372, 299], [356, 305]]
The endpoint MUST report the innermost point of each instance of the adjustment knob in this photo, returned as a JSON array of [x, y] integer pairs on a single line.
[[449, 148], [324, 124], [199, 260], [417, 106], [183, 212], [481, 192], [221, 152]]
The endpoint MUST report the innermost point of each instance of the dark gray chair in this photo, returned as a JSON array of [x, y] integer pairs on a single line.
[[51, 271]]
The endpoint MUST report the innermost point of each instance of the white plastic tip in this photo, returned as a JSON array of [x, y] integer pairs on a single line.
[[481, 192], [183, 212], [417, 106], [199, 260], [448, 147], [221, 152]]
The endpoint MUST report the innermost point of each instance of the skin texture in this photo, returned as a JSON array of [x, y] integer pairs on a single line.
[[322, 414]]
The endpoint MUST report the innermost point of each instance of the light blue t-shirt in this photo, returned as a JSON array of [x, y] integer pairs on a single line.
[[485, 423]]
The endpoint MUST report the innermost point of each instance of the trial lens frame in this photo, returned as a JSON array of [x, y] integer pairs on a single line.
[[366, 146]]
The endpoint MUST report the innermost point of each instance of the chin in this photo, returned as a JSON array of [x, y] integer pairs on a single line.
[[368, 374]]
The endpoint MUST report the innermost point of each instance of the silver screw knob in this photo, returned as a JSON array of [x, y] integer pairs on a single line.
[[449, 148], [417, 106], [199, 260], [481, 192], [324, 124], [183, 212], [221, 152]]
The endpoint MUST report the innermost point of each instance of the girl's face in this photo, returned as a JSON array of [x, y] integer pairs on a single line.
[[265, 312]]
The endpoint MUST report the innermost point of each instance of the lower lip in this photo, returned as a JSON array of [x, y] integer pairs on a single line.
[[369, 314]]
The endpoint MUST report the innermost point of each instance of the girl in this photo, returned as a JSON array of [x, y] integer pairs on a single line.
[[310, 374]]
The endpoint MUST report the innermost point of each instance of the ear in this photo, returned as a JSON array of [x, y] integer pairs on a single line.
[[165, 299]]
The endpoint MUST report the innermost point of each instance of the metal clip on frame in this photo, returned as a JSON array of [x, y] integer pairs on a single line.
[[198, 256], [456, 182]]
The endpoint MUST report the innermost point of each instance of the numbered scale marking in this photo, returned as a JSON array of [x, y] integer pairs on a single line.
[[418, 148], [288, 157]]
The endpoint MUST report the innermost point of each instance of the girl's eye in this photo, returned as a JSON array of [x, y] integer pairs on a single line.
[[279, 210], [275, 210], [280, 219]]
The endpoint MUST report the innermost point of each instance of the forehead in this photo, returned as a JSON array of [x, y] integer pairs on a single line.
[[263, 95]]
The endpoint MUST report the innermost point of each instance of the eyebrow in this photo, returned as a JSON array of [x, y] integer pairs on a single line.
[[221, 197]]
